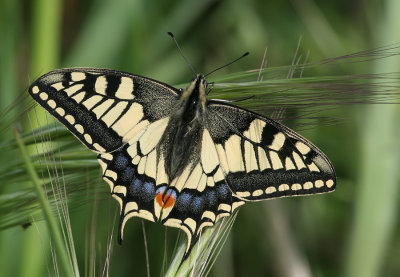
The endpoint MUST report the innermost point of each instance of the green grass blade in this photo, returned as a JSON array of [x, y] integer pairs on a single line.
[[65, 263]]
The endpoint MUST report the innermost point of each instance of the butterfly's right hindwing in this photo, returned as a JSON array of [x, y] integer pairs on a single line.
[[104, 109]]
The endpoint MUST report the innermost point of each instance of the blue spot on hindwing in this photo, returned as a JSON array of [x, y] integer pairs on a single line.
[[183, 201], [222, 191], [197, 204], [135, 187], [211, 198], [148, 191], [128, 174], [121, 161]]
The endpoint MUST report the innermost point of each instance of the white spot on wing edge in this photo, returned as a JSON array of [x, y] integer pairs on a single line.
[[296, 187], [99, 148], [60, 111], [111, 174], [116, 197], [130, 206], [242, 193], [120, 189], [308, 185], [237, 204], [79, 128], [191, 223], [209, 214], [257, 193], [224, 207], [52, 104], [283, 187], [44, 96], [107, 156], [103, 165], [35, 90], [330, 183], [319, 184], [88, 138], [270, 190], [70, 119]]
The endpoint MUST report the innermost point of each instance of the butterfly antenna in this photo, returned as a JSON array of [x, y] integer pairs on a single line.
[[180, 51], [225, 65]]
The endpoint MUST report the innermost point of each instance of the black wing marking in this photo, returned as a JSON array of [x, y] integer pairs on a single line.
[[103, 108], [263, 159]]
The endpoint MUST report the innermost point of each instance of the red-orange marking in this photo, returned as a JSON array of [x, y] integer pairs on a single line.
[[159, 199], [165, 201], [169, 201]]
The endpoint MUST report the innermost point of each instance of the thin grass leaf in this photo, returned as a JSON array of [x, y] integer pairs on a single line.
[[66, 265]]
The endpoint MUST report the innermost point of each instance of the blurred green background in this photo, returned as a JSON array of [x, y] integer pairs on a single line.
[[351, 232]]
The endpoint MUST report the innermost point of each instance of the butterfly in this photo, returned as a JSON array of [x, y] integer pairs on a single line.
[[175, 156]]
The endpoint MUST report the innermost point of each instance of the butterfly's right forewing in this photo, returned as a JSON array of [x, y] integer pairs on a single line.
[[263, 159]]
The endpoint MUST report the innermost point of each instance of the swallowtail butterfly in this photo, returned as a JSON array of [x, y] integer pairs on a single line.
[[175, 156]]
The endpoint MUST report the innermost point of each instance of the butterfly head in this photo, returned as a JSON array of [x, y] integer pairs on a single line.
[[195, 94]]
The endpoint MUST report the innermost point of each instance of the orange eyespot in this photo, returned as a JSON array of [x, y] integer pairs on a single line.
[[169, 200], [165, 200]]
